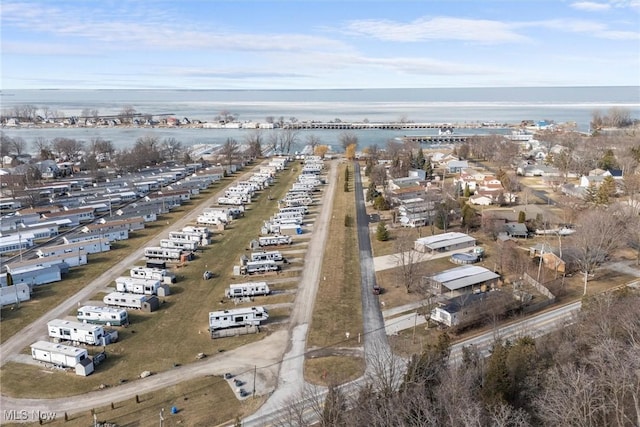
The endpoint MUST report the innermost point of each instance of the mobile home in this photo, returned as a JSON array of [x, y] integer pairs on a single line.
[[165, 254], [274, 240], [63, 355], [137, 286], [237, 317], [186, 245], [14, 294], [267, 255], [84, 333], [259, 267], [34, 275], [160, 274], [137, 301], [110, 316], [238, 290]]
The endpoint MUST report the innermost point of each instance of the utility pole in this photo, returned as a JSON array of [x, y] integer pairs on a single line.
[[254, 381], [161, 417]]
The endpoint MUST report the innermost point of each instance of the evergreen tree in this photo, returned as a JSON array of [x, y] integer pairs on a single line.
[[411, 160], [380, 203], [606, 191], [591, 194], [420, 160], [496, 381], [382, 234], [522, 217], [467, 191], [428, 168], [608, 160]]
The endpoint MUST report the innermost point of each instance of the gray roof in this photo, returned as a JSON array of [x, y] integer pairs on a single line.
[[444, 240], [464, 276]]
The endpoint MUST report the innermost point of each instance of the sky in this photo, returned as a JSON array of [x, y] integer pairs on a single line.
[[289, 44]]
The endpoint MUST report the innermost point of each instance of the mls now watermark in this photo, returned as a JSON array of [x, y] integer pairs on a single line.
[[25, 415]]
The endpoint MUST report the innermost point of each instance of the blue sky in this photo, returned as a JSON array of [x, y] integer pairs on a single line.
[[237, 44]]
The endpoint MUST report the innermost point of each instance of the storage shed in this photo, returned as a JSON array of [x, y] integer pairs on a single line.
[[444, 242]]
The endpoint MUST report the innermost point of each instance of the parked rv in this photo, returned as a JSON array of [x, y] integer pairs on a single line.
[[166, 254], [259, 267], [160, 274], [238, 290], [80, 332], [63, 356], [137, 285], [137, 301], [99, 315], [267, 255], [237, 317]]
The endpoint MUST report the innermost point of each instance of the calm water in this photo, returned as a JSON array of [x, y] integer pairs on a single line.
[[473, 105]]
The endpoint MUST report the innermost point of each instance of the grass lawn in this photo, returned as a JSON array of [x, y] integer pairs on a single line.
[[194, 400], [338, 306], [177, 332]]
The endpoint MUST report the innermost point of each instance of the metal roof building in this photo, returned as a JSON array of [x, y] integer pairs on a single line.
[[461, 278], [444, 242]]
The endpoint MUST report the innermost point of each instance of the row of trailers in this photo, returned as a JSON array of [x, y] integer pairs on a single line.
[[248, 319], [180, 245]]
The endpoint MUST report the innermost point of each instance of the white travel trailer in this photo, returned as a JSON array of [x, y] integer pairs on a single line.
[[267, 255], [110, 316], [160, 274], [137, 286], [137, 301], [186, 245], [184, 235], [259, 267], [275, 240], [63, 355], [84, 333], [289, 216], [233, 200], [165, 254], [294, 209], [238, 290], [237, 317], [208, 220]]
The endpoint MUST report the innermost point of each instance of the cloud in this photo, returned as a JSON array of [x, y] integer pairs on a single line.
[[594, 29], [150, 30], [439, 28], [590, 6]]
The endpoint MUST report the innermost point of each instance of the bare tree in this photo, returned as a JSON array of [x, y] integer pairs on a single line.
[[172, 148], [18, 145], [313, 141], [127, 113], [67, 148], [409, 261], [348, 138], [598, 234], [254, 142], [229, 151], [43, 147]]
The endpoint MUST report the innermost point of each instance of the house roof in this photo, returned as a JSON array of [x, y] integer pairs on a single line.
[[445, 239], [464, 276], [516, 228]]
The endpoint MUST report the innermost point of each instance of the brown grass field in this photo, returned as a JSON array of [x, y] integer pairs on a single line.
[[338, 306], [149, 343]]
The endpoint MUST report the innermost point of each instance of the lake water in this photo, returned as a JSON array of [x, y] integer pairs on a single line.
[[455, 105]]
